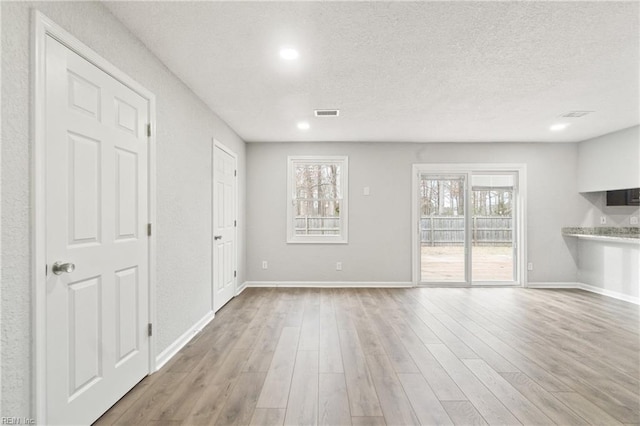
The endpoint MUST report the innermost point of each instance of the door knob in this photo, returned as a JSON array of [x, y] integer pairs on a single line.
[[217, 237], [59, 267]]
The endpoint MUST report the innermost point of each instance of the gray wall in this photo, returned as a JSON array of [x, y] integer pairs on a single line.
[[185, 127], [610, 161], [378, 253], [610, 267], [615, 215]]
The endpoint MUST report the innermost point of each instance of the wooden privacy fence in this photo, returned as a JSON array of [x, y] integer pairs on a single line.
[[306, 225], [449, 230]]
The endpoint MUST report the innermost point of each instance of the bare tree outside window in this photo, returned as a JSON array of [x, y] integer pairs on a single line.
[[496, 202], [317, 197], [442, 197]]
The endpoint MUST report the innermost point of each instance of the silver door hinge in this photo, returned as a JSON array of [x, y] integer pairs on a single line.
[[235, 274], [150, 329], [235, 173], [235, 223], [149, 130], [46, 270], [148, 229]]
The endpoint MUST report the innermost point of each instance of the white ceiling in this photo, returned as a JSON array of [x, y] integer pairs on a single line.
[[402, 71]]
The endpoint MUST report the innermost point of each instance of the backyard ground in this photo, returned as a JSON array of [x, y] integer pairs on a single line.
[[446, 264]]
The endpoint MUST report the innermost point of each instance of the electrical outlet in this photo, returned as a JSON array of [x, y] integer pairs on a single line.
[[265, 264], [633, 220], [530, 266], [366, 191], [603, 220], [338, 266]]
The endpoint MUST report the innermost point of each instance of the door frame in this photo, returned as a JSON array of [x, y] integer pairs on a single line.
[[520, 217], [223, 147], [42, 27]]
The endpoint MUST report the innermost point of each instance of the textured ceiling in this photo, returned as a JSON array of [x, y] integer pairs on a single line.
[[402, 71]]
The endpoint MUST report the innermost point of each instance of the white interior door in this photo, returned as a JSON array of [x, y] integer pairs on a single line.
[[224, 225], [97, 346]]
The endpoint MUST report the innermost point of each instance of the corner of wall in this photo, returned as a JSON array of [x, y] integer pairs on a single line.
[[175, 347], [609, 293], [585, 287]]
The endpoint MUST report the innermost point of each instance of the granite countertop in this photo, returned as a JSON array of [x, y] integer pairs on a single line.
[[604, 233]]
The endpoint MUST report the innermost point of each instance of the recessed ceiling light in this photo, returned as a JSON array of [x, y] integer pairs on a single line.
[[289, 53], [558, 127], [303, 125]]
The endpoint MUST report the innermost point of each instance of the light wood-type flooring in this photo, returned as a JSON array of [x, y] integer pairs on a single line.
[[431, 356]]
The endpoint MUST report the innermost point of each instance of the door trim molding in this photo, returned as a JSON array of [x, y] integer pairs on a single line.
[[521, 213], [42, 27], [223, 147]]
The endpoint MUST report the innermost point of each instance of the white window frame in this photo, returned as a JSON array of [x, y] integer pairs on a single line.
[[292, 162]]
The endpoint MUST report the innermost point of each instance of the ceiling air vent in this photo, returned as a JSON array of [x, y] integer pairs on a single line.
[[327, 112], [576, 114]]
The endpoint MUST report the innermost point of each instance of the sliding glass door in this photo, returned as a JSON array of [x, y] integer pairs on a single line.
[[467, 227], [493, 245], [442, 228]]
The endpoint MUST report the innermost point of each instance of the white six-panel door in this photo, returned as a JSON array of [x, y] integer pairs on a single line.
[[97, 345], [224, 226]]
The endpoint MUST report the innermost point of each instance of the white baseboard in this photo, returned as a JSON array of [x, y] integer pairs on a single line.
[[553, 285], [609, 293], [242, 288], [589, 288], [402, 284], [181, 341], [330, 284]]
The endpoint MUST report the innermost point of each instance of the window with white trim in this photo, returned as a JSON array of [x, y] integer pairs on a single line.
[[317, 199]]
